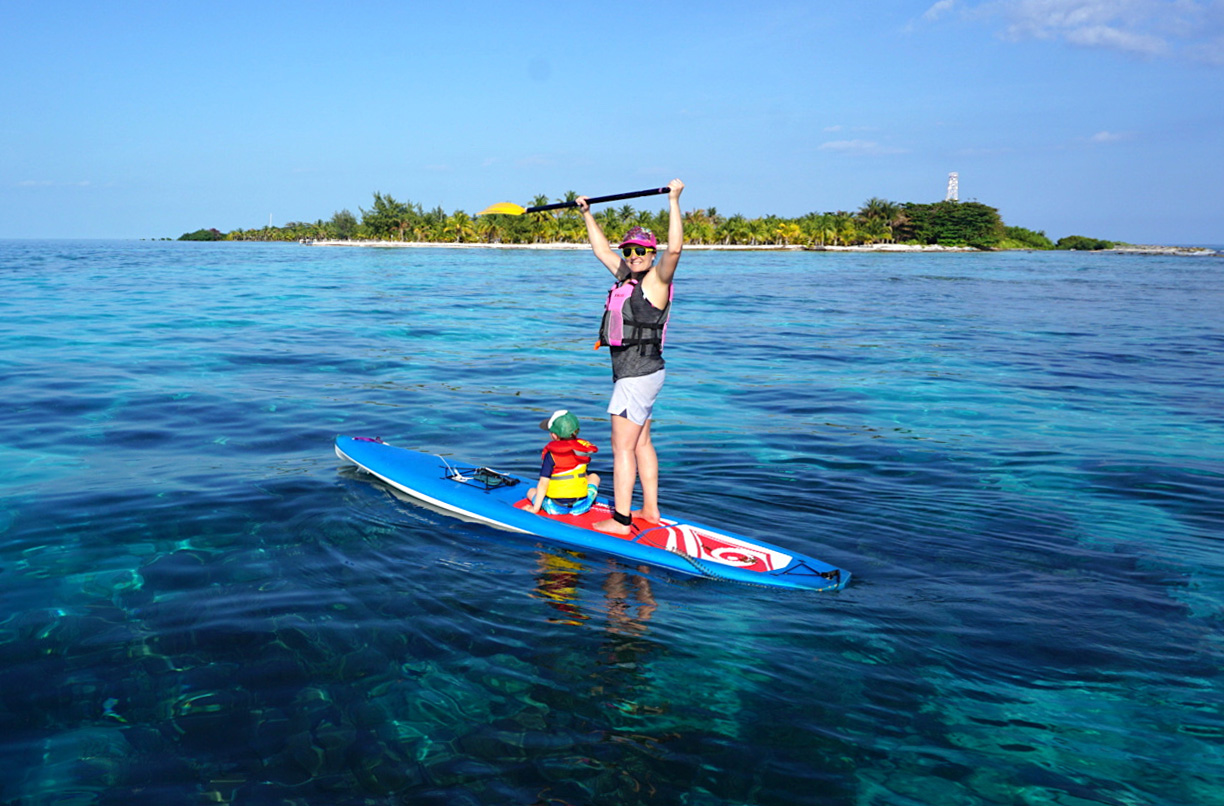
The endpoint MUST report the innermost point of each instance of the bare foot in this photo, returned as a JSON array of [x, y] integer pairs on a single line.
[[648, 517], [611, 527]]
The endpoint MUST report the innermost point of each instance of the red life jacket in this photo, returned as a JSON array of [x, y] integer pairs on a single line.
[[570, 458]]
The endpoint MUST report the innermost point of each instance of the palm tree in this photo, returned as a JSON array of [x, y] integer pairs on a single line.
[[879, 210], [698, 227], [609, 220], [459, 226], [732, 231], [758, 231], [569, 221], [489, 229], [875, 230], [571, 229], [540, 220], [788, 232], [433, 225], [826, 228], [844, 232]]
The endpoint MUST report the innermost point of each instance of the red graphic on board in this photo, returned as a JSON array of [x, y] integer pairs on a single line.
[[684, 538]]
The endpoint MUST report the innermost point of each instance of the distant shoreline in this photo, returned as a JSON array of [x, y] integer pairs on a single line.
[[1135, 249], [698, 247]]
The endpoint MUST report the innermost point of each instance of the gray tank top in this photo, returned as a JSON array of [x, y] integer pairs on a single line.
[[629, 362]]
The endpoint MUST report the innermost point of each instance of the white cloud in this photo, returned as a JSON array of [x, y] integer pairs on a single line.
[[1149, 28], [838, 127], [47, 183], [1108, 137], [859, 147], [1106, 36], [939, 9]]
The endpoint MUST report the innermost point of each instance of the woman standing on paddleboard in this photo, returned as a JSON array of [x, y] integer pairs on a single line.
[[635, 321]]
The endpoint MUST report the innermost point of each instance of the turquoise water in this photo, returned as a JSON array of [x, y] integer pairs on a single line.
[[1020, 457]]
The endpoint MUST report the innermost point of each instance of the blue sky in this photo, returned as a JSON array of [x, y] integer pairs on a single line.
[[135, 120]]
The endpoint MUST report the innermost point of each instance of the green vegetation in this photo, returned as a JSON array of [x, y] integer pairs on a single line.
[[878, 221], [1083, 244], [1021, 238], [951, 223], [203, 235]]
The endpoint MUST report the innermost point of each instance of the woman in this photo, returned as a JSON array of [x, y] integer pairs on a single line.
[[635, 321]]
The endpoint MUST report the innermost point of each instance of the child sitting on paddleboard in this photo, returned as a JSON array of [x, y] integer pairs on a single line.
[[565, 486]]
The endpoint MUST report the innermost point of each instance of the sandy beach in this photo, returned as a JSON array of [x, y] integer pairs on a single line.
[[698, 247], [879, 247]]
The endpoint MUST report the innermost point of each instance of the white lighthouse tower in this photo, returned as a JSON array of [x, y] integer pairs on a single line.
[[953, 188]]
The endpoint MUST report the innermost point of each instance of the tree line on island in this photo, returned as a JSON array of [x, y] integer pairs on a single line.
[[878, 221]]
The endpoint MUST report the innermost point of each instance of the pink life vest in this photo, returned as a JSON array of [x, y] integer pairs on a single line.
[[619, 329]]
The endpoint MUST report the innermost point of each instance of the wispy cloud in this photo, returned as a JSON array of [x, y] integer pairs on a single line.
[[48, 183], [940, 9], [838, 127], [1151, 28], [859, 148], [1109, 137]]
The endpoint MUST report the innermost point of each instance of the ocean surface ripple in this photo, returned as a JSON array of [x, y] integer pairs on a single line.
[[1019, 456]]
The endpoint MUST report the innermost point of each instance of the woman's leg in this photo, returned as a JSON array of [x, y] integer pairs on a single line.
[[648, 473], [625, 436]]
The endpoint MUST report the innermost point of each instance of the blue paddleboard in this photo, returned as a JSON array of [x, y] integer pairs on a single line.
[[485, 495]]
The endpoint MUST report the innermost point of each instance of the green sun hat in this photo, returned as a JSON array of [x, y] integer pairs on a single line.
[[561, 424]]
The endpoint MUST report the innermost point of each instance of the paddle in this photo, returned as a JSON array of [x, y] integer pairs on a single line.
[[508, 208]]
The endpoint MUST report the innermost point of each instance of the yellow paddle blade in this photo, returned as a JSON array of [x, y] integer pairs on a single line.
[[502, 208]]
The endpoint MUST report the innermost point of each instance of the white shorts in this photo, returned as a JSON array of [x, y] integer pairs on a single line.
[[634, 398]]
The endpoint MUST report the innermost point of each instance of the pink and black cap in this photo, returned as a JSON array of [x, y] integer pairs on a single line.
[[640, 236]]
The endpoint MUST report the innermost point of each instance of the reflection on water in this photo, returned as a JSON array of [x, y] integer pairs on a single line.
[[557, 583], [628, 601]]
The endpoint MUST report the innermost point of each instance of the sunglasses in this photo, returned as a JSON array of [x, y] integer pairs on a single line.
[[635, 250]]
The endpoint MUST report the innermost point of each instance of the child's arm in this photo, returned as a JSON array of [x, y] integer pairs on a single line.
[[541, 490]]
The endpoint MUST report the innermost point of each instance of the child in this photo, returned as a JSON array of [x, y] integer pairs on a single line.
[[564, 487]]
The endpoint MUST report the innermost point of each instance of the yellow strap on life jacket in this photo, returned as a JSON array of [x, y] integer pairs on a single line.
[[570, 483]]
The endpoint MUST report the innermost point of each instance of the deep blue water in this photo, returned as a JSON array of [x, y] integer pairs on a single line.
[[1020, 457]]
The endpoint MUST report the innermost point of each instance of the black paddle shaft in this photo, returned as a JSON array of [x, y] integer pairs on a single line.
[[599, 199]]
